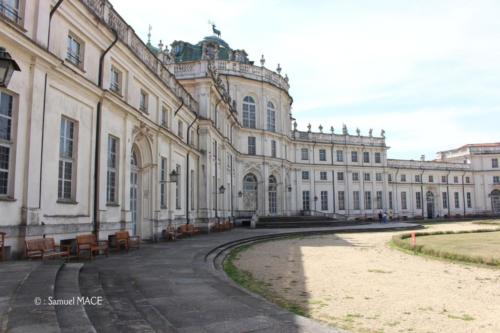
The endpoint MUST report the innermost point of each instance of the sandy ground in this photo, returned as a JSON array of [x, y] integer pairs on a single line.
[[357, 282]]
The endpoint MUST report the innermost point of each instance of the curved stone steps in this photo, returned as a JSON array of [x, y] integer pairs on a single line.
[[71, 317], [24, 315]]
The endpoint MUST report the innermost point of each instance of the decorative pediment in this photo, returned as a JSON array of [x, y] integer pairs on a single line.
[[142, 131]]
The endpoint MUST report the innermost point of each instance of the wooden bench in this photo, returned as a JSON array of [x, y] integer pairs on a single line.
[[124, 239], [43, 248], [170, 233], [89, 243], [185, 231], [194, 230]]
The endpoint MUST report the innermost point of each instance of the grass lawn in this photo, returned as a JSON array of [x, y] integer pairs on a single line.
[[485, 245]]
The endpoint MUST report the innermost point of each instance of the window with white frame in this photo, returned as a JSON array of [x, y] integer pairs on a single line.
[[456, 196], [444, 179], [431, 179], [271, 117], [304, 154], [6, 144], [455, 179], [494, 163], [404, 205], [368, 200], [341, 197], [163, 183], [192, 190], [164, 116], [112, 174], [445, 199], [418, 200], [403, 178], [67, 143], [340, 156], [74, 53], [252, 149], [143, 101], [178, 188], [115, 82], [367, 177], [389, 177], [355, 200], [324, 200], [469, 200], [496, 179], [467, 180], [355, 176], [378, 158], [378, 177], [417, 179], [390, 199], [354, 156], [340, 176], [11, 9], [322, 155], [379, 199], [180, 129], [306, 202], [305, 175], [323, 175], [366, 157], [248, 112], [273, 148]]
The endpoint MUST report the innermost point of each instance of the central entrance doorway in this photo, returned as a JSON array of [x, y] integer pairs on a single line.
[[430, 205], [495, 202], [273, 202]]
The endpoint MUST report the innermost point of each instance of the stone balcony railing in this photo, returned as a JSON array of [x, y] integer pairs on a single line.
[[199, 68], [339, 139], [106, 13], [431, 165]]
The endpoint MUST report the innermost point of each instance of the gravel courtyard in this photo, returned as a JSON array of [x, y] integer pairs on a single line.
[[357, 282]]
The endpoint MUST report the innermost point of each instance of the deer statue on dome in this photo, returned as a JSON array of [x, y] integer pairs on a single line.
[[214, 30]]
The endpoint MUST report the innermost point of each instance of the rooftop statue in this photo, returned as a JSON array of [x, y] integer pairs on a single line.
[[344, 129]]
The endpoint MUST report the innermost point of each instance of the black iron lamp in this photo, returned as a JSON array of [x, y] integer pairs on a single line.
[[174, 176], [222, 189], [7, 67]]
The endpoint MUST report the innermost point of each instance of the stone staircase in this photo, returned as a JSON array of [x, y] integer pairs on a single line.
[[302, 222], [118, 306]]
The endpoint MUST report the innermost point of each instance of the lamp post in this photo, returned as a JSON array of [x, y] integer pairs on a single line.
[[222, 189], [7, 67]]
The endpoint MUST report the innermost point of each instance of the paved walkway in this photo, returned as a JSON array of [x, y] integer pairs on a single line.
[[166, 287]]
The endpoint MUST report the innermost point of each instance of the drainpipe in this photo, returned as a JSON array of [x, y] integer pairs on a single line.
[[179, 108], [448, 193], [463, 192], [52, 12], [188, 171], [422, 193], [98, 140]]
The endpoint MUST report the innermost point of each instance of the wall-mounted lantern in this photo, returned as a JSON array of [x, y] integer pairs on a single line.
[[7, 67]]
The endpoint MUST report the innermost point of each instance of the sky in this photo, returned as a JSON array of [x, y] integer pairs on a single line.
[[427, 71]]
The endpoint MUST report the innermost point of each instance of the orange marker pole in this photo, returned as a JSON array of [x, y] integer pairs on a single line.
[[413, 239]]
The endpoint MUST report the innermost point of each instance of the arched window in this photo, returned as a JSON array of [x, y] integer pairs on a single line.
[[248, 112], [271, 117], [250, 183]]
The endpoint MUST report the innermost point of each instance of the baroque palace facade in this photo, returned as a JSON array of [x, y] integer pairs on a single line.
[[102, 132]]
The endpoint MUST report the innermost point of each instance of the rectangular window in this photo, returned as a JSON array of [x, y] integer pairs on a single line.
[[273, 148], [304, 154], [431, 179], [496, 179], [355, 200], [324, 200], [379, 199], [444, 179], [378, 177], [341, 200], [366, 157], [340, 176], [10, 9], [455, 179], [494, 163], [180, 129], [389, 177], [115, 84], [305, 201], [322, 155], [445, 200], [467, 180], [469, 200], [367, 177], [6, 144], [305, 175], [403, 178], [417, 179], [378, 158], [322, 175], [112, 175], [65, 188], [390, 200], [457, 199], [354, 156], [403, 201], [418, 200], [355, 176], [164, 117], [252, 149], [178, 188], [368, 200], [143, 101], [75, 51], [163, 183], [340, 156], [192, 183]]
